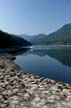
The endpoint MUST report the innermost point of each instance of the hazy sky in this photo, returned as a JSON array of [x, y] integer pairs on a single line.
[[34, 16]]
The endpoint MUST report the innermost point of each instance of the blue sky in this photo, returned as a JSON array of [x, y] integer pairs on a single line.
[[34, 16]]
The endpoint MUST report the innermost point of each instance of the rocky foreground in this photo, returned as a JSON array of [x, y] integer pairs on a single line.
[[21, 90]]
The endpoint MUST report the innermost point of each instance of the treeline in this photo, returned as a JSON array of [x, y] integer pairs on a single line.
[[9, 41]]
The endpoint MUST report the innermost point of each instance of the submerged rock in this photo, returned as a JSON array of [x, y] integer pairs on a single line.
[[7, 56]]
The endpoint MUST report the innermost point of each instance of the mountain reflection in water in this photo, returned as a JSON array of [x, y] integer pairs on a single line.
[[53, 63], [62, 55]]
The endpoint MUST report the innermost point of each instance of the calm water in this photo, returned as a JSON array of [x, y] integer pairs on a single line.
[[48, 61]]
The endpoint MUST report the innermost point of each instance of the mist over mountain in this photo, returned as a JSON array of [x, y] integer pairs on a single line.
[[26, 37], [61, 36]]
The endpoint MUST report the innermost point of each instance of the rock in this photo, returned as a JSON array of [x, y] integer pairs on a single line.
[[2, 65], [7, 56], [23, 90]]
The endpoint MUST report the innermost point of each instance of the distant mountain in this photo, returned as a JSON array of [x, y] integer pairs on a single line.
[[26, 37], [38, 38], [61, 36], [33, 38], [9, 41]]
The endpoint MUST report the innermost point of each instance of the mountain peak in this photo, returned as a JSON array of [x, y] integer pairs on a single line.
[[66, 28], [67, 25]]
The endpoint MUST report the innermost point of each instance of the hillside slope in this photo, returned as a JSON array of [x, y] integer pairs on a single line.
[[9, 41], [61, 36]]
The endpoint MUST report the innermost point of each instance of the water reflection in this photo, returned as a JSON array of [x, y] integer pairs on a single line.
[[53, 63], [20, 52], [62, 55]]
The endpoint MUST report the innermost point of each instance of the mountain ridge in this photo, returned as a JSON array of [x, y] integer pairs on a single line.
[[8, 40], [63, 34]]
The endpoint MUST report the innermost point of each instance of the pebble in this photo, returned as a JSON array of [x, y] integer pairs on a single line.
[[23, 90]]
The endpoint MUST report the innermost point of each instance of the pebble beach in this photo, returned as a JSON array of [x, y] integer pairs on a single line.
[[23, 90]]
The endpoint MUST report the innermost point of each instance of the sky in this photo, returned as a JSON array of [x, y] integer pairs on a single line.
[[34, 16]]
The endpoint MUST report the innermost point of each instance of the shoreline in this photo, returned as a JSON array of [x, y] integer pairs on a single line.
[[23, 90]]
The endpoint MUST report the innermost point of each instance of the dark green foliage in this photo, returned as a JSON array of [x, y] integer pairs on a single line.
[[9, 41]]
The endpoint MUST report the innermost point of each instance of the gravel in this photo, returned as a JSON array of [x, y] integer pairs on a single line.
[[22, 90]]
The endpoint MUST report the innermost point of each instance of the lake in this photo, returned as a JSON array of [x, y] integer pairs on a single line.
[[53, 62]]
